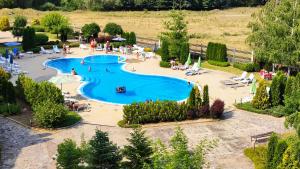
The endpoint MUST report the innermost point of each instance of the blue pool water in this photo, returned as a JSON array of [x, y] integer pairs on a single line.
[[107, 74], [10, 44]]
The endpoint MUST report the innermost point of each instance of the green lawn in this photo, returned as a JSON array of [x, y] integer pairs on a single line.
[[72, 118], [257, 156]]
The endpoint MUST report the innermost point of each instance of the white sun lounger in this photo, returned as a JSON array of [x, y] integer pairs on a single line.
[[242, 77], [249, 79], [82, 46], [43, 51], [55, 49]]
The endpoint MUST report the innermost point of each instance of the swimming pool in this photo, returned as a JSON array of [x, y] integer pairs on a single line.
[[11, 44], [107, 74]]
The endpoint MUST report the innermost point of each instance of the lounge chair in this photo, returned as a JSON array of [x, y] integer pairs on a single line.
[[43, 51], [55, 49], [99, 48], [242, 77], [249, 79], [229, 82], [184, 67], [82, 46], [193, 71]]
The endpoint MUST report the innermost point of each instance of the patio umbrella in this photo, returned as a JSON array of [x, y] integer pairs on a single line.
[[60, 80], [199, 63], [253, 87], [118, 39], [189, 61]]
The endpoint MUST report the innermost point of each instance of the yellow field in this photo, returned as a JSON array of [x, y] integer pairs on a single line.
[[225, 26]]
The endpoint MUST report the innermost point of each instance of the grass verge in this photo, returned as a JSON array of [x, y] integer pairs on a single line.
[[248, 107], [257, 156], [72, 118]]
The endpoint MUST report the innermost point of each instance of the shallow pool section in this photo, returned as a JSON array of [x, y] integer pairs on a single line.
[[107, 74]]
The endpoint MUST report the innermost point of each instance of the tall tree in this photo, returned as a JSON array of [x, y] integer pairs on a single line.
[[139, 152], [276, 31], [103, 153]]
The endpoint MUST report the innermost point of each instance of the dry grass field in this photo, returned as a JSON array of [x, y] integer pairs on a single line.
[[225, 26]]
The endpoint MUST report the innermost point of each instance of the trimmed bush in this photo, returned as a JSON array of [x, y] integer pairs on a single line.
[[273, 141], [289, 87], [28, 39], [184, 52], [277, 89], [248, 67], [10, 109], [20, 21], [4, 74], [153, 112], [89, 30], [38, 28], [216, 52], [164, 64], [49, 114], [217, 109], [41, 39], [7, 92], [113, 29], [165, 50], [217, 63], [48, 6], [205, 95], [261, 98], [280, 149], [4, 23], [132, 38]]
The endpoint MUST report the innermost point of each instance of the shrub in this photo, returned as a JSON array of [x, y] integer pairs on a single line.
[[277, 89], [132, 38], [216, 52], [261, 98], [89, 30], [217, 63], [48, 6], [41, 39], [28, 38], [217, 109], [10, 109], [7, 92], [165, 50], [164, 64], [68, 155], [249, 67], [52, 21], [35, 49], [64, 31], [184, 52], [257, 156], [113, 29], [20, 21], [191, 102], [153, 112], [271, 150], [205, 96], [4, 74], [289, 87], [38, 28], [49, 114], [280, 149], [4, 23]]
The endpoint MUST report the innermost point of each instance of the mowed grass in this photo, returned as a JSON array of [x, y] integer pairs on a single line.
[[225, 26]]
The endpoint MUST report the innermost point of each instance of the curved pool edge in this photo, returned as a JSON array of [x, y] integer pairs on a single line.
[[79, 89]]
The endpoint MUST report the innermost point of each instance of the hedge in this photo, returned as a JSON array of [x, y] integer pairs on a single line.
[[41, 39], [248, 67], [153, 112], [217, 52], [9, 109], [165, 64], [217, 63]]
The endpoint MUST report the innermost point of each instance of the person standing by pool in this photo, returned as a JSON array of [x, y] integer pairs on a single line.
[[107, 46]]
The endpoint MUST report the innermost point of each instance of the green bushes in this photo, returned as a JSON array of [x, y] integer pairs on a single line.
[[49, 114], [277, 89], [130, 38], [216, 52], [4, 23], [217, 63], [9, 109], [113, 29], [248, 67], [165, 64], [271, 150], [153, 112], [40, 39], [257, 156], [7, 92], [28, 38], [184, 52], [165, 50], [261, 98], [89, 30], [52, 21], [38, 28]]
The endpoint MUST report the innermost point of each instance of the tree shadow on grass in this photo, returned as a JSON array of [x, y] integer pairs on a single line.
[[14, 138]]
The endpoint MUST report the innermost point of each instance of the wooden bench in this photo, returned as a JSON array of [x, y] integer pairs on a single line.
[[260, 137]]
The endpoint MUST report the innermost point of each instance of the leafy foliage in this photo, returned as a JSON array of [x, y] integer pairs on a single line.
[[261, 98], [273, 141], [279, 151], [277, 89], [103, 153], [218, 63], [28, 38], [277, 42], [217, 108], [52, 22], [249, 67], [165, 64], [4, 23], [165, 50], [139, 152], [49, 114], [9, 109], [89, 30], [113, 29], [20, 22], [40, 39], [205, 95]]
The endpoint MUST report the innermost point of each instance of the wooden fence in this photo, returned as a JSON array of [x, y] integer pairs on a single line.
[[234, 55]]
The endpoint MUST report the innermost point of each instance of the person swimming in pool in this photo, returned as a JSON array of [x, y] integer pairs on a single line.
[[82, 61], [90, 69], [73, 72]]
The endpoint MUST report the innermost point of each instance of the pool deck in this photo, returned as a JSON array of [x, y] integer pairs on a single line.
[[25, 148]]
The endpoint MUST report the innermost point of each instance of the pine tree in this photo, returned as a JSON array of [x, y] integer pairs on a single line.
[[280, 149], [271, 150], [205, 96], [68, 156], [165, 50], [103, 153], [261, 98], [289, 87], [28, 38], [139, 152], [277, 89], [192, 99]]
